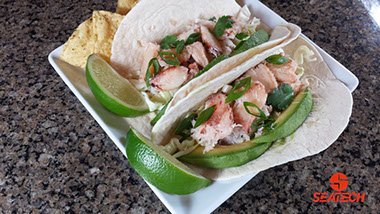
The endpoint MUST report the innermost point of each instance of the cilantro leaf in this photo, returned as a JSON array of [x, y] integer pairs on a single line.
[[213, 19], [281, 97], [168, 42], [223, 23]]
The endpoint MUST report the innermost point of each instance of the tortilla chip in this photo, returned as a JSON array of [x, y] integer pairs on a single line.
[[94, 35], [124, 6], [105, 25], [80, 45]]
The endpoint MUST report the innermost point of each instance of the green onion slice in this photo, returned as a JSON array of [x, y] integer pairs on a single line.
[[258, 38], [234, 94], [277, 59], [212, 63], [192, 38], [156, 67], [180, 45], [168, 42], [204, 116], [160, 113], [168, 61], [185, 124], [241, 36]]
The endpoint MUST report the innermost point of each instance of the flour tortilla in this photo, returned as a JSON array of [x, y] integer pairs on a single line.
[[152, 20], [327, 120], [196, 92], [280, 36]]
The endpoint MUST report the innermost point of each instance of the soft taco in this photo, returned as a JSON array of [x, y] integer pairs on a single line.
[[167, 48], [281, 105]]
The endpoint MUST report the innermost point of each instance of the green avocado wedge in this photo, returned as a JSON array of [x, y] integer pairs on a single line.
[[160, 168], [239, 154], [290, 119], [226, 156]]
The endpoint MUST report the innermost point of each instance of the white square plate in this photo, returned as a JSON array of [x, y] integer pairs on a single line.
[[116, 127]]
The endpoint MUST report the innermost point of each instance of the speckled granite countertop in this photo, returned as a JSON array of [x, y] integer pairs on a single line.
[[54, 157]]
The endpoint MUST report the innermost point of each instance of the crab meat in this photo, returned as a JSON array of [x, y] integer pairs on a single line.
[[262, 74], [211, 42], [218, 126], [198, 53], [285, 73], [193, 70], [170, 78], [150, 52], [255, 94]]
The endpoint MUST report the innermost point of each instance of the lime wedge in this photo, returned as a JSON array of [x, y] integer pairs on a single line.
[[113, 91], [160, 168]]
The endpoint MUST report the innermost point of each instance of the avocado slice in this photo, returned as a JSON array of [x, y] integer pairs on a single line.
[[290, 119], [239, 154]]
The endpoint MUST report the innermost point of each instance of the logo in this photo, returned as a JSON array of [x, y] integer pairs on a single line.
[[338, 182]]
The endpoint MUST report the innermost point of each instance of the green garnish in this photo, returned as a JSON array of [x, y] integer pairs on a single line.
[[184, 125], [156, 67], [204, 116], [212, 63], [241, 36], [160, 114], [223, 23], [168, 42], [258, 38], [265, 121], [246, 82], [277, 59], [168, 61], [192, 38], [281, 97], [180, 45], [213, 19]]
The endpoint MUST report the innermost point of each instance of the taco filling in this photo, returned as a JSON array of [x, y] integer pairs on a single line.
[[177, 59], [244, 109]]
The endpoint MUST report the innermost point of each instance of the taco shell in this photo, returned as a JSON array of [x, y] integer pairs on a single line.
[[327, 120]]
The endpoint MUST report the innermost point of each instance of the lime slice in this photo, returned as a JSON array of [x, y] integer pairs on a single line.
[[116, 93], [161, 169]]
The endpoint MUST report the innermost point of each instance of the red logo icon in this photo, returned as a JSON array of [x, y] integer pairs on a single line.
[[339, 182]]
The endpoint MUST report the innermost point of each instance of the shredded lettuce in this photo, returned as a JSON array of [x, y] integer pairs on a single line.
[[304, 53]]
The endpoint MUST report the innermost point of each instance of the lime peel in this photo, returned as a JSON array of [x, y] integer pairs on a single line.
[[113, 91], [160, 168]]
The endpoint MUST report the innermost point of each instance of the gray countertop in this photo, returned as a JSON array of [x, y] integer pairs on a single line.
[[54, 157]]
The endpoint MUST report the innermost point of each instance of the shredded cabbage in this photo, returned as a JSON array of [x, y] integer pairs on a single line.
[[153, 106], [252, 25], [226, 89], [304, 53], [178, 149], [170, 148], [279, 51]]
